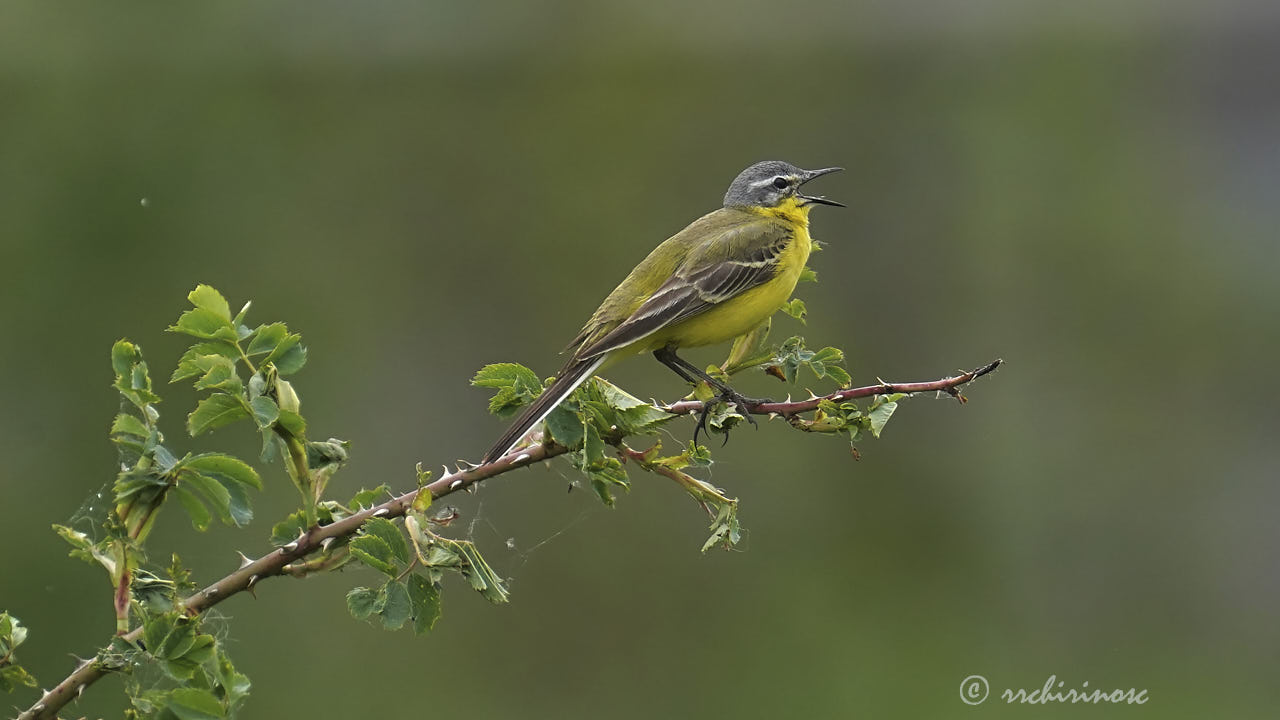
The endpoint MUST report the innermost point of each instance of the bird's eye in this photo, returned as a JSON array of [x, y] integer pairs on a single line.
[[780, 182]]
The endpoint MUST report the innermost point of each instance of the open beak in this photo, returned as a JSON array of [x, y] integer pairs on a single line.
[[811, 174]]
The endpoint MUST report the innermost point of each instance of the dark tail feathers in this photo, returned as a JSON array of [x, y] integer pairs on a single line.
[[568, 381]]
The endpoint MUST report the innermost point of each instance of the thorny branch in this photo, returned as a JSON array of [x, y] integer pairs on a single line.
[[278, 562]]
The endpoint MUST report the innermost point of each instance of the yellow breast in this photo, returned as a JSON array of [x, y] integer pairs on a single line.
[[742, 313]]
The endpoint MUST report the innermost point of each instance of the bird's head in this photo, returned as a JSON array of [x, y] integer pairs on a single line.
[[774, 184]]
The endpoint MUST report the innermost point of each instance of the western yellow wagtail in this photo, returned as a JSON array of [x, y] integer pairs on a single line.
[[719, 278]]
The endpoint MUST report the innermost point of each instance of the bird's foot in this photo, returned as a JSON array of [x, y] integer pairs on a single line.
[[741, 403]]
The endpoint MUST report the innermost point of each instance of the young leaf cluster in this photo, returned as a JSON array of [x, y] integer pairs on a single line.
[[225, 348], [12, 634], [151, 470], [413, 562], [846, 418], [598, 415], [723, 510], [199, 682]]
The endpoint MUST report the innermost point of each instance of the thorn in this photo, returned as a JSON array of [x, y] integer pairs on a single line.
[[80, 690], [289, 548], [522, 457], [209, 592], [38, 707], [471, 489], [380, 512], [444, 471], [244, 560], [455, 484], [253, 580], [325, 543]]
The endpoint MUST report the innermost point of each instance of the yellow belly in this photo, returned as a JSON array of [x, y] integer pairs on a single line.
[[737, 316]]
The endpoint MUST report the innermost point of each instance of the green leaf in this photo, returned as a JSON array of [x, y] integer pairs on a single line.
[[397, 610], [223, 468], [14, 676], [828, 355], [12, 634], [240, 506], [82, 548], [642, 420], [369, 498], [123, 355], [807, 275], [189, 365], [565, 426], [132, 379], [725, 530], [129, 425], [214, 412], [155, 629], [362, 602], [500, 375], [291, 360], [750, 349], [207, 298], [516, 385], [265, 411], [425, 600], [204, 324], [266, 338], [213, 492], [374, 552], [292, 422], [482, 577], [189, 703], [616, 397], [839, 375], [239, 318], [202, 650], [608, 475], [592, 447], [390, 534], [288, 529], [176, 644], [321, 454], [200, 515], [210, 471], [282, 354], [796, 309], [220, 374], [880, 414], [235, 686]]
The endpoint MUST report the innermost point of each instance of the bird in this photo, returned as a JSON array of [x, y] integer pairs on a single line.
[[717, 279]]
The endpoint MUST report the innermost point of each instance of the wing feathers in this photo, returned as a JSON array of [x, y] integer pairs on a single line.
[[693, 290]]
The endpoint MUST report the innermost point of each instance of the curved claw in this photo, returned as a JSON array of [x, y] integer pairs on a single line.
[[740, 403]]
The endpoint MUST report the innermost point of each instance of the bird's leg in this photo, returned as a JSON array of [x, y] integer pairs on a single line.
[[692, 373]]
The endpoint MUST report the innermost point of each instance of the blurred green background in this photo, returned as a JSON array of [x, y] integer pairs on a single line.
[[1088, 191]]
